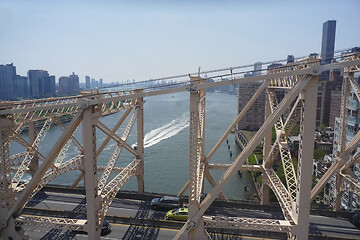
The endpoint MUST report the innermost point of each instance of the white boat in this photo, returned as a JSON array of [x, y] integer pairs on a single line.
[[134, 146]]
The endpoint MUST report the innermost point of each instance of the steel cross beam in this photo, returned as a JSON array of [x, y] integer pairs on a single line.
[[62, 223], [301, 212], [282, 194], [15, 208], [342, 161], [6, 193], [116, 154], [208, 176], [282, 148], [111, 133], [293, 93], [197, 156], [75, 163], [272, 225], [30, 156], [354, 184]]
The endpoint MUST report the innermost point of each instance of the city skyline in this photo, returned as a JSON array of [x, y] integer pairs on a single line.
[[123, 40]]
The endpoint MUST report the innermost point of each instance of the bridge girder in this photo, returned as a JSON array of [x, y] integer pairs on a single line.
[[299, 79]]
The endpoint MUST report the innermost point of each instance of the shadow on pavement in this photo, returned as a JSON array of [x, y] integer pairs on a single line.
[[38, 198], [143, 232], [69, 234]]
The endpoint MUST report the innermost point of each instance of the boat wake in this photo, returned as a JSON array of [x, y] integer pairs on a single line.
[[167, 131]]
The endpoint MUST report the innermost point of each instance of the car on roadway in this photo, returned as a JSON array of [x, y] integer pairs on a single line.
[[166, 202], [105, 227], [356, 219], [180, 214]]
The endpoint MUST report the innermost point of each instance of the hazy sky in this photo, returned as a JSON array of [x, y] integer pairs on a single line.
[[119, 40]]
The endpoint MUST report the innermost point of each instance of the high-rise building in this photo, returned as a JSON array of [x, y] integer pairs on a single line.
[[69, 85], [21, 87], [335, 105], [93, 83], [257, 68], [100, 83], [327, 47], [325, 86], [41, 84], [7, 80], [328, 41], [327, 89], [255, 116], [87, 82]]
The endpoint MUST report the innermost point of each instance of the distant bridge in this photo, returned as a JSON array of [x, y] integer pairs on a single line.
[[300, 79]]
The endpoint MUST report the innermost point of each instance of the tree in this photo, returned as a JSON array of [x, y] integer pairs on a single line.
[[323, 127], [319, 154]]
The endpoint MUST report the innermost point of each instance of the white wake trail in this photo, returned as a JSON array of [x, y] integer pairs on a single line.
[[167, 131]]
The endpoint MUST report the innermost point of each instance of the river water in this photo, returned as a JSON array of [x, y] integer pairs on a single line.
[[166, 154]]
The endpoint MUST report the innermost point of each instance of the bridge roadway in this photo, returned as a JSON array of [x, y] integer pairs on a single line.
[[132, 207]]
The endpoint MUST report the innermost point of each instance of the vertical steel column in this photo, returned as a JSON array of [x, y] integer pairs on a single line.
[[140, 143], [343, 114], [6, 193], [197, 123], [7, 226], [338, 193], [305, 164], [34, 165], [342, 136], [265, 193], [91, 179]]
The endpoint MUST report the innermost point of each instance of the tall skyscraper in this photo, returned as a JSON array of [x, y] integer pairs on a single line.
[[21, 87], [325, 86], [93, 83], [87, 82], [328, 41], [100, 82], [69, 85], [7, 79], [41, 84]]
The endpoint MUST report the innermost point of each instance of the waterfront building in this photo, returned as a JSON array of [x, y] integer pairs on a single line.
[[93, 83], [41, 84], [255, 116], [21, 87], [69, 84], [7, 79], [87, 82]]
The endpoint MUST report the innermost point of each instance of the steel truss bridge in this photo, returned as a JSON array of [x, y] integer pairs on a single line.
[[299, 79]]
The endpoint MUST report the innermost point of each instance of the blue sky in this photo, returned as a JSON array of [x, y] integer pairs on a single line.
[[120, 40]]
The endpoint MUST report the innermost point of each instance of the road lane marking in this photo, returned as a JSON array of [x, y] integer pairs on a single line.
[[176, 230]]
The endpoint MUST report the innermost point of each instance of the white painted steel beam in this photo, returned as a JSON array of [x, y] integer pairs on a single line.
[[285, 103]]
